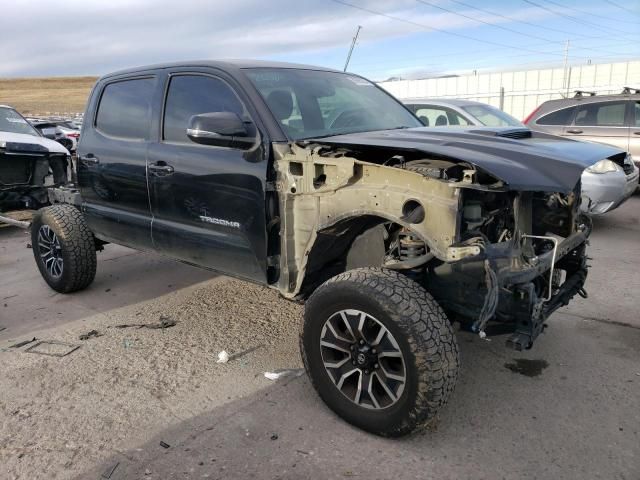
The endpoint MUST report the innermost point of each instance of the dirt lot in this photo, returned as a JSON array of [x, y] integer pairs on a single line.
[[31, 96], [569, 408]]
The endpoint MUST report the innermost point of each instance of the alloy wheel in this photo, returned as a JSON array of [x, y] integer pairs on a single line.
[[363, 359]]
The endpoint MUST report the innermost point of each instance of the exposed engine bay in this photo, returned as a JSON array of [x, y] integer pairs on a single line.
[[485, 251]]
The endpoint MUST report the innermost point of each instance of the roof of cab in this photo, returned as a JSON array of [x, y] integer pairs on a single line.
[[232, 64]]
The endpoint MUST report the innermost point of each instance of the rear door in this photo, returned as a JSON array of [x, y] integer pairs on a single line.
[[112, 159], [603, 122], [208, 202]]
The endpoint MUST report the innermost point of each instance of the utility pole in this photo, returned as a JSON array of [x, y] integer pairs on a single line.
[[566, 60], [353, 44]]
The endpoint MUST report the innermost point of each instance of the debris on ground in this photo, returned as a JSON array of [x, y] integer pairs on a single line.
[[2, 328], [275, 375], [52, 348], [29, 245], [90, 334], [22, 344], [164, 444], [274, 436], [109, 471], [223, 357], [162, 324]]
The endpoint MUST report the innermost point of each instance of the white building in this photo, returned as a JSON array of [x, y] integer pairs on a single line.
[[518, 93]]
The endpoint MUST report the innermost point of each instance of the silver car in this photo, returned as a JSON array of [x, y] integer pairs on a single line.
[[606, 184]]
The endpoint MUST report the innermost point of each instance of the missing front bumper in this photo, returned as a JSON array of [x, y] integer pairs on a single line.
[[526, 294]]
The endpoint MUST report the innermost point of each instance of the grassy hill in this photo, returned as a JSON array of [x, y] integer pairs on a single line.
[[44, 96]]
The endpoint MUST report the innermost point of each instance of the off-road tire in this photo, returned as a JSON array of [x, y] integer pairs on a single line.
[[421, 329], [77, 247]]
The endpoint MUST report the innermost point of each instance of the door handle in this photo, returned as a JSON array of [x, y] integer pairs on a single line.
[[90, 159], [160, 169], [636, 133], [574, 130]]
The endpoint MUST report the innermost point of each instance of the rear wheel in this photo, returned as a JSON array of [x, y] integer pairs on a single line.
[[64, 248], [379, 350]]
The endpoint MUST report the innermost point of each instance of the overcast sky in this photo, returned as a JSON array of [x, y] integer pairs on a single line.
[[93, 37]]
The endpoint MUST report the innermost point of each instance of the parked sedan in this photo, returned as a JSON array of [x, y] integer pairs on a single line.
[[606, 184], [454, 113]]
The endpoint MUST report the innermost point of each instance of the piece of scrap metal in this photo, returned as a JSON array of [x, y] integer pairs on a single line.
[[71, 348]]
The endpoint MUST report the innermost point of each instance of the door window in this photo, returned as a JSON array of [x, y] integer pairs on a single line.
[[125, 109], [190, 95], [559, 117], [637, 114], [433, 116], [601, 114]]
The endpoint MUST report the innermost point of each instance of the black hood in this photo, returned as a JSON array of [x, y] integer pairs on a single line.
[[523, 159]]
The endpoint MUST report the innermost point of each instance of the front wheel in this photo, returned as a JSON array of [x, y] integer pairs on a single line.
[[64, 248], [379, 350]]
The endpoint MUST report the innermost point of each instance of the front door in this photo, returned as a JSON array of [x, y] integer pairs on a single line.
[[112, 159], [207, 202]]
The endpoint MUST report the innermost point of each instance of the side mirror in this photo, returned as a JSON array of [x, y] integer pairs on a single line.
[[222, 129]]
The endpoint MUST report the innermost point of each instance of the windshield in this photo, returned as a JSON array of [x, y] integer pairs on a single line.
[[311, 103], [491, 116], [12, 122]]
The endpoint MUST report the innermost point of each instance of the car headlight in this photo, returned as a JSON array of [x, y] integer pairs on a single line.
[[603, 166]]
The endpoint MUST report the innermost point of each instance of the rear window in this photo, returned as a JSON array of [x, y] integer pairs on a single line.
[[125, 109], [559, 117], [601, 114]]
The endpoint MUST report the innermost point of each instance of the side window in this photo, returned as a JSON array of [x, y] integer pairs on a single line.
[[125, 109], [637, 114], [601, 114], [191, 95], [433, 116], [559, 117]]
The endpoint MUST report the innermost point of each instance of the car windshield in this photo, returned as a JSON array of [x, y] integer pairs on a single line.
[[12, 122], [491, 116], [311, 103]]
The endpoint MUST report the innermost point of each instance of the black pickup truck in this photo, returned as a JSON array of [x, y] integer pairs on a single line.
[[321, 185]]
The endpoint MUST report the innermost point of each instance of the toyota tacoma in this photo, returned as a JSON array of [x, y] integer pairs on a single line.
[[321, 185]]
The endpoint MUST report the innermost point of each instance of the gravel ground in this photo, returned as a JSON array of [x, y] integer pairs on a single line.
[[566, 409], [62, 415]]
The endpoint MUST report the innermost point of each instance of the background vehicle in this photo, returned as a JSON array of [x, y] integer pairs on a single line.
[[606, 184], [64, 132], [612, 119], [321, 185], [28, 163], [434, 112]]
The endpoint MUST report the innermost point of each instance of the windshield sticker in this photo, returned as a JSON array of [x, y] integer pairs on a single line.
[[360, 81]]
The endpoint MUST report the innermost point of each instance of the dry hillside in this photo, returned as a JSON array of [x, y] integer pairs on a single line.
[[43, 96]]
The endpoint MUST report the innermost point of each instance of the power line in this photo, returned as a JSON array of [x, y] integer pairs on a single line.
[[603, 17], [621, 7], [524, 22], [427, 27], [501, 27], [577, 20]]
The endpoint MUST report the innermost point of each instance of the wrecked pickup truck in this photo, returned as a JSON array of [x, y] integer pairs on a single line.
[[29, 163], [321, 185]]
